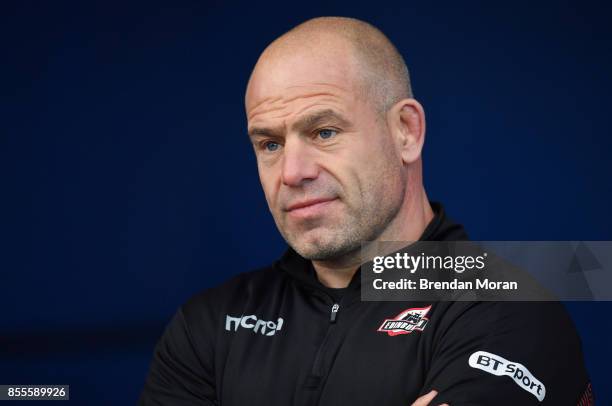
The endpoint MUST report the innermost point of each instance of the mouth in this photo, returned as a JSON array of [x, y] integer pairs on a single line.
[[310, 208]]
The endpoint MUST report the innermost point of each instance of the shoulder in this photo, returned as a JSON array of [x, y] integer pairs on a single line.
[[531, 319], [538, 331], [481, 341], [534, 332]]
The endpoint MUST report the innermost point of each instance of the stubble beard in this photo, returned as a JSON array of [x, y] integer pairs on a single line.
[[343, 238]]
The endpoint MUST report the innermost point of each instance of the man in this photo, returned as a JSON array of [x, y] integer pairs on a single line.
[[338, 139]]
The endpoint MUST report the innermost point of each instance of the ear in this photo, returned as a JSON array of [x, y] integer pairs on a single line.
[[406, 123]]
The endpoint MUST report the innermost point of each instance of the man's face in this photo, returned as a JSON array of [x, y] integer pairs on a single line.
[[327, 163]]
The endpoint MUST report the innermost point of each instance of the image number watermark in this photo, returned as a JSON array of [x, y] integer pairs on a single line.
[[34, 392]]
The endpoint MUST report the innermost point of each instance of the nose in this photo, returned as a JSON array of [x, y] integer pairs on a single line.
[[298, 164]]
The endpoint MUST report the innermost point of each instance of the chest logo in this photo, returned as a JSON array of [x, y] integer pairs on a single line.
[[252, 322], [406, 322]]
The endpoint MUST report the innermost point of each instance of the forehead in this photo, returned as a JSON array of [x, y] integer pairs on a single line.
[[282, 82]]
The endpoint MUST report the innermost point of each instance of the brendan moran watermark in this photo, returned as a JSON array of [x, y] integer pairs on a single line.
[[486, 270], [425, 263], [455, 284]]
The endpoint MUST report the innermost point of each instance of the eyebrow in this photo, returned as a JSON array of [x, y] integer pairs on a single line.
[[320, 117], [304, 123]]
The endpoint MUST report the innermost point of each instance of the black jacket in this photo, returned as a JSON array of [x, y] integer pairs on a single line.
[[277, 336]]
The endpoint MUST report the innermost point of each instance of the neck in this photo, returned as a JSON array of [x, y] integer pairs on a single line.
[[412, 219]]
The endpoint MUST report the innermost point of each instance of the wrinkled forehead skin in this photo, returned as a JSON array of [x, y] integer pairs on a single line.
[[324, 69]]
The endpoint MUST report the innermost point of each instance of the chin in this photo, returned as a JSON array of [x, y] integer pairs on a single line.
[[323, 247]]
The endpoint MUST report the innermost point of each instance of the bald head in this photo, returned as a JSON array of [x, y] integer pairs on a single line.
[[378, 70]]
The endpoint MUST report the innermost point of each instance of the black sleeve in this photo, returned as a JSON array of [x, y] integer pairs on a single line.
[[505, 353], [181, 372]]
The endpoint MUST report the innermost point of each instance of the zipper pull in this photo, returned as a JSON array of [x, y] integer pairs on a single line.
[[334, 312]]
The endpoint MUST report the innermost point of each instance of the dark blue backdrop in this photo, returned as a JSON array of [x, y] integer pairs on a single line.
[[128, 182]]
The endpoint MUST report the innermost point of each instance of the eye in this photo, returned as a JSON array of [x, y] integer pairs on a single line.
[[271, 146], [326, 133]]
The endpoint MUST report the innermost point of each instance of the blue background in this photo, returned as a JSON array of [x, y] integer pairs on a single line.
[[128, 182]]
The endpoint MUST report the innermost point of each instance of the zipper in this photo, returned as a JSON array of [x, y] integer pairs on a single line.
[[320, 368], [317, 366], [334, 313]]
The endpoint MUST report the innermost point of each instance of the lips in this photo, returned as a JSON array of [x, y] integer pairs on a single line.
[[308, 203]]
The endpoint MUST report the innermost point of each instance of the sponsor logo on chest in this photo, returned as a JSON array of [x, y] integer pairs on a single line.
[[252, 322], [406, 322]]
